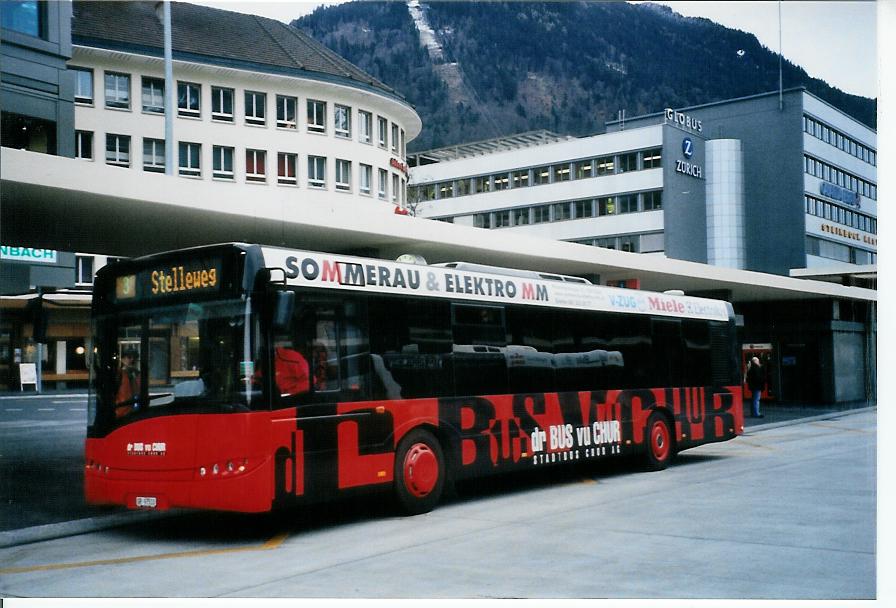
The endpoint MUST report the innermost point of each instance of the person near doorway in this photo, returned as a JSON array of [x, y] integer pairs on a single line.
[[755, 382]]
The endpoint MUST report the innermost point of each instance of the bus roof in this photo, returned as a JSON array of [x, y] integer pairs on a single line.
[[343, 272]]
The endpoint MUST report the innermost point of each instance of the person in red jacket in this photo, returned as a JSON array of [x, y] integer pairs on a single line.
[[290, 372]]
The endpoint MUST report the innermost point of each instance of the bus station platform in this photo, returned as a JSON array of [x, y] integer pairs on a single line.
[[30, 511]]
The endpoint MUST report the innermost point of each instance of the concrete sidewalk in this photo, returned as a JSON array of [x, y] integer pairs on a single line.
[[74, 517]]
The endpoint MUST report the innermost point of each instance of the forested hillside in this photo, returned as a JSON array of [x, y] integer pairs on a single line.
[[508, 67]]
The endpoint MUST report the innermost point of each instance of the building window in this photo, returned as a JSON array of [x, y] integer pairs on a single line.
[[365, 127], [395, 138], [606, 206], [365, 179], [154, 155], [627, 203], [84, 145], [343, 175], [584, 168], [521, 216], [446, 190], [427, 192], [342, 121], [118, 90], [382, 184], [541, 214], [222, 104], [584, 208], [317, 116], [189, 156], [26, 18], [606, 166], [403, 147], [521, 178], [317, 172], [653, 200], [502, 181], [502, 219], [395, 189], [382, 132], [542, 175], [118, 150], [84, 270], [255, 165], [286, 112], [222, 162], [255, 110], [153, 95], [628, 162], [652, 159], [287, 168], [562, 211], [561, 172], [83, 85], [463, 187], [482, 220], [629, 243], [188, 99]]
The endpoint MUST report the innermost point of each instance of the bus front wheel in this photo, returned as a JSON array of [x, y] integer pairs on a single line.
[[419, 472], [660, 444]]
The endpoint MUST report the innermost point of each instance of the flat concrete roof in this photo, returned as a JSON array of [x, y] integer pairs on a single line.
[[75, 205]]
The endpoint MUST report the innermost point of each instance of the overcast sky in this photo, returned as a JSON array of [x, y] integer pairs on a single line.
[[832, 40]]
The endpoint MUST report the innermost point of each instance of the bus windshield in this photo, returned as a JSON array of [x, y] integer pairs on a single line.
[[174, 359]]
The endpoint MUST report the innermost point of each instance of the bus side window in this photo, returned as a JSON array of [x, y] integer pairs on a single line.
[[479, 349], [667, 353], [410, 351], [530, 359], [632, 345], [697, 359], [354, 351]]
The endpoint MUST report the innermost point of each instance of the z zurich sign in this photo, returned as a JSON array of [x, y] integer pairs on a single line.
[[684, 166]]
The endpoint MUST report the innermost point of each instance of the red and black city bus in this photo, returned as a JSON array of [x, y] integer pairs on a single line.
[[240, 377]]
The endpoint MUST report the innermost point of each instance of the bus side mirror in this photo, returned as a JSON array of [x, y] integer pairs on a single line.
[[284, 304]]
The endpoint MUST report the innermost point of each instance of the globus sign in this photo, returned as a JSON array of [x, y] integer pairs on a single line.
[[683, 120]]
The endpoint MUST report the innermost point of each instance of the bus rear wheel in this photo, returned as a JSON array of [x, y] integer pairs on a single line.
[[419, 472], [660, 445]]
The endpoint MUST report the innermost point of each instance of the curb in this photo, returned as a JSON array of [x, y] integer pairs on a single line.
[[24, 536], [828, 416]]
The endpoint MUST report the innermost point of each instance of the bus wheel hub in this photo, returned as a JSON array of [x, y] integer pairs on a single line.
[[421, 470]]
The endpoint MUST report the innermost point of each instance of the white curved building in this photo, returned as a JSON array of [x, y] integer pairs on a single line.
[[259, 104]]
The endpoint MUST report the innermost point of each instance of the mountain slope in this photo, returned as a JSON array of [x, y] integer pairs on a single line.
[[497, 68]]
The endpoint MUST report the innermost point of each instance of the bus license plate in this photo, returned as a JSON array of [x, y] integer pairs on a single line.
[[147, 501]]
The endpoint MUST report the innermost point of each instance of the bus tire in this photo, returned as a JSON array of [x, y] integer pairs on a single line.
[[660, 443], [419, 472]]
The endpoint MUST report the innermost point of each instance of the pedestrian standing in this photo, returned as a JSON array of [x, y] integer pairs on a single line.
[[755, 382]]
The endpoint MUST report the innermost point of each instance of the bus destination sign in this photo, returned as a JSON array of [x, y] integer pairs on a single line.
[[192, 277]]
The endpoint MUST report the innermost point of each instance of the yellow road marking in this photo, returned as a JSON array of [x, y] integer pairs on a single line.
[[839, 428], [755, 445], [273, 543]]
